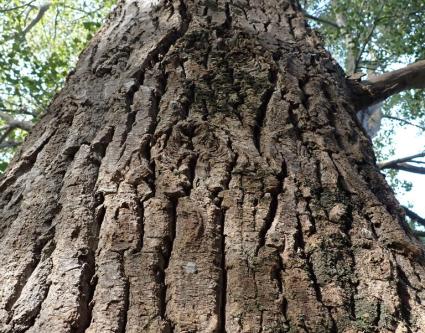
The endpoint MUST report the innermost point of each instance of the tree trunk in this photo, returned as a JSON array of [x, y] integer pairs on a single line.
[[203, 171]]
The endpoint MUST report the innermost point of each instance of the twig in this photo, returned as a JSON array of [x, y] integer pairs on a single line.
[[366, 41], [404, 121], [19, 111], [5, 10], [321, 20]]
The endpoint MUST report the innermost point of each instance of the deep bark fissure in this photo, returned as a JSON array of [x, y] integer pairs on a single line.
[[292, 117], [222, 287], [227, 25], [100, 147], [277, 275], [87, 265], [91, 291], [123, 314], [378, 314], [268, 220], [141, 217], [30, 317], [222, 299], [273, 208], [261, 113], [403, 294], [37, 256], [167, 258]]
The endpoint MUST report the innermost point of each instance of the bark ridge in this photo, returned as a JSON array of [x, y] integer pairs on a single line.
[[203, 171]]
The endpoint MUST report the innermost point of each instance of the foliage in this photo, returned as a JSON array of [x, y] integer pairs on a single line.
[[380, 33], [39, 43]]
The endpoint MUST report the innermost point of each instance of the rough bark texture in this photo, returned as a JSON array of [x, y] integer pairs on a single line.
[[203, 171]]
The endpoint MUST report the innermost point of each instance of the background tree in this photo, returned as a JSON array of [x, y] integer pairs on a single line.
[[204, 170]]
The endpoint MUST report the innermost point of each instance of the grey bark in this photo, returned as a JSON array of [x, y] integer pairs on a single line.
[[203, 171]]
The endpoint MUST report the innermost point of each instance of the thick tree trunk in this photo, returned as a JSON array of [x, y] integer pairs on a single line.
[[203, 171]]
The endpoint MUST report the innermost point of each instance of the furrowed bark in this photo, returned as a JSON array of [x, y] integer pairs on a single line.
[[203, 171]]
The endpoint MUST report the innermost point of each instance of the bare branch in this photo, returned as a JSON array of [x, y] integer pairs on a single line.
[[321, 20], [413, 216], [9, 144], [4, 10], [404, 121], [380, 87], [410, 77], [6, 117], [409, 168], [7, 131], [389, 164], [401, 164], [418, 233], [365, 43], [15, 123], [41, 11]]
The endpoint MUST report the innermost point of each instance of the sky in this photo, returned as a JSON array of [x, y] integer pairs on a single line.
[[410, 142]]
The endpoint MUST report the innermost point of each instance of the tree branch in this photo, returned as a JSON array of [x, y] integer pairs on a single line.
[[321, 20], [409, 168], [404, 121], [9, 144], [380, 87], [366, 41], [401, 164], [41, 11], [14, 123], [4, 10], [7, 131], [413, 216], [418, 233], [389, 164]]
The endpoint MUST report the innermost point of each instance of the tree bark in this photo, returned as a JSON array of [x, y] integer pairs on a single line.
[[203, 171]]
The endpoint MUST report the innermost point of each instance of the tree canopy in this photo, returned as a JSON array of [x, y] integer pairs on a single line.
[[40, 43]]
